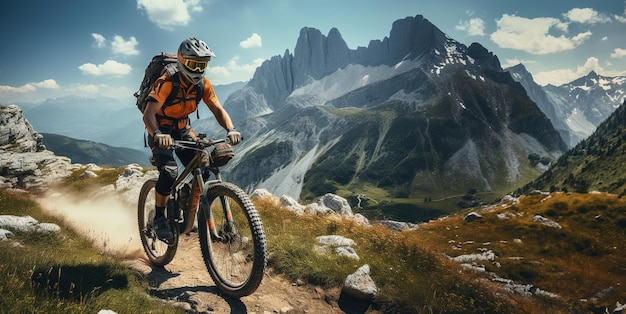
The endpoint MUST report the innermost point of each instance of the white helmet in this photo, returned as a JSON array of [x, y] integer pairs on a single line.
[[193, 59]]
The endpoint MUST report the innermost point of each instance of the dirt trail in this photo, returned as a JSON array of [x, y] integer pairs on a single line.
[[111, 225], [186, 281]]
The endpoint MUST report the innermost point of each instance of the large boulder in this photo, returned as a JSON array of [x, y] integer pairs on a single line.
[[360, 285], [331, 203]]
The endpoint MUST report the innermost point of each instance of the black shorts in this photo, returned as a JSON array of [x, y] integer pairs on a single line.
[[165, 162]]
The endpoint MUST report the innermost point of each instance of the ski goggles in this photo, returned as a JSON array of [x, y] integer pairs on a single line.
[[195, 65]]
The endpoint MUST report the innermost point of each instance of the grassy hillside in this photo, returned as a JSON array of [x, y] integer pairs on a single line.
[[419, 165], [63, 273], [581, 263], [85, 152], [595, 164]]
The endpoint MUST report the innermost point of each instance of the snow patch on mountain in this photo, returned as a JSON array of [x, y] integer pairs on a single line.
[[352, 77], [576, 108], [578, 123], [289, 179], [452, 55]]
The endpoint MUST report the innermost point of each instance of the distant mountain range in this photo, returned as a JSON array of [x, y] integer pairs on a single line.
[[576, 108], [415, 114], [86, 152], [103, 120]]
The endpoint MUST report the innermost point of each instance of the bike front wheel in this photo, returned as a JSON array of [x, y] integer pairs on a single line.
[[233, 242], [159, 253]]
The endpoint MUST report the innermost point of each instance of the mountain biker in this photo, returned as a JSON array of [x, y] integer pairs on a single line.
[[165, 123]]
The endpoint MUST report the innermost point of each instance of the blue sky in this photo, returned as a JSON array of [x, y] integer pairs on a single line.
[[101, 47]]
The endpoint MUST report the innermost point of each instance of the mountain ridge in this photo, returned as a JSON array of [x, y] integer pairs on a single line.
[[578, 107], [417, 69], [89, 152]]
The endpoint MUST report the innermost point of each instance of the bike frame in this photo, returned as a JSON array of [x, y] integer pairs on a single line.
[[197, 167]]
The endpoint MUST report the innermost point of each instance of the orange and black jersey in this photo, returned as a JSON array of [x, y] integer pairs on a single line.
[[183, 104]]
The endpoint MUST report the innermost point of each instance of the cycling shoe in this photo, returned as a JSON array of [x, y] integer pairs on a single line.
[[162, 229]]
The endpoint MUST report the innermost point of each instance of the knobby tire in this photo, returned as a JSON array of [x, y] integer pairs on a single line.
[[236, 261], [159, 253]]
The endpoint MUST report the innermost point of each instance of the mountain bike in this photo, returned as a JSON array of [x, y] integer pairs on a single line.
[[232, 238]]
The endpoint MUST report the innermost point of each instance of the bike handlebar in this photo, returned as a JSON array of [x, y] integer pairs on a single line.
[[199, 144]]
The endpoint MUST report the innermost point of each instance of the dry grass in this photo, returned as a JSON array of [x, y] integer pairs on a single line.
[[411, 277], [582, 262], [577, 262], [64, 273]]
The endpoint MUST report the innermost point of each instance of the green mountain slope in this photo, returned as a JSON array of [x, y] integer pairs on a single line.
[[595, 164], [84, 152]]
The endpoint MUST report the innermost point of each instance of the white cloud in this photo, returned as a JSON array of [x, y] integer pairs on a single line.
[[533, 35], [121, 46], [194, 5], [100, 42], [233, 71], [49, 83], [29, 87], [473, 27], [28, 92], [169, 13], [26, 88], [580, 38], [564, 76], [586, 16], [39, 91], [109, 67], [252, 41], [618, 53]]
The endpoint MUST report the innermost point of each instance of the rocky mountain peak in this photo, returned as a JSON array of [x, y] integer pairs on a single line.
[[478, 52], [412, 36], [316, 55]]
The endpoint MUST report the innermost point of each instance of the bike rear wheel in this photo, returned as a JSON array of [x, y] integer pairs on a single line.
[[159, 253], [236, 259]]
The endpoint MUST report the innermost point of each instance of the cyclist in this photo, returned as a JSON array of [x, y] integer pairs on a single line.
[[165, 123]]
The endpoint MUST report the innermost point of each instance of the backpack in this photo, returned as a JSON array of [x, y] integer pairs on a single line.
[[160, 63]]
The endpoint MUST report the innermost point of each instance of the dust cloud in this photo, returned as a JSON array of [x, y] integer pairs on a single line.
[[108, 222]]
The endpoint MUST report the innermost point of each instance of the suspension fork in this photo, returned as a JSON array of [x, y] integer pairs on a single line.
[[210, 220], [197, 186], [206, 207], [227, 212]]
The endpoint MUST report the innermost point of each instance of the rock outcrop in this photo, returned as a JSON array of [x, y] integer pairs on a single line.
[[16, 133], [24, 161]]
